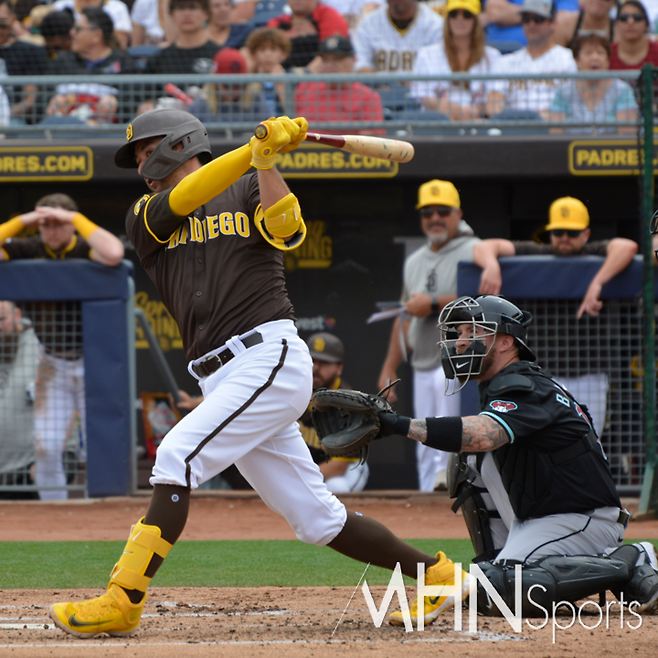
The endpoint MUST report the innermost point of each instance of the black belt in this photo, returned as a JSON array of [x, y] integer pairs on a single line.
[[623, 518], [215, 361]]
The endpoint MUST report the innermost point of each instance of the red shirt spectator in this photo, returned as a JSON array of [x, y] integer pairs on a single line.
[[323, 102], [309, 24], [617, 65], [633, 47]]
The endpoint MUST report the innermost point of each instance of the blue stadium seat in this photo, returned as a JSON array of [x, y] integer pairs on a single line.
[[267, 10], [519, 115], [141, 53], [395, 97]]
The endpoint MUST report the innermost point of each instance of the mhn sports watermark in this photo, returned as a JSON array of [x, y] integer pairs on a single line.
[[589, 608]]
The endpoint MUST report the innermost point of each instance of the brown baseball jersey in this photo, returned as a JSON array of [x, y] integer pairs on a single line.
[[215, 273], [57, 324]]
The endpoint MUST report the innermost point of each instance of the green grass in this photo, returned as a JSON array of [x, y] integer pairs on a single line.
[[63, 565], [51, 565]]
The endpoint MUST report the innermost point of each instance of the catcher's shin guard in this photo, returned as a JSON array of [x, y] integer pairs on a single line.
[[143, 543]]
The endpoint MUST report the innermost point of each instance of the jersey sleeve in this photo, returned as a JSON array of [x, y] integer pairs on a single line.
[[524, 413], [362, 46], [150, 223]]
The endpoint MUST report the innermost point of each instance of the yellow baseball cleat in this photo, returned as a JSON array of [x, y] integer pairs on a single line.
[[112, 613], [441, 573]]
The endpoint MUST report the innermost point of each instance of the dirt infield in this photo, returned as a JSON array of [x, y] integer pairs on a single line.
[[276, 621]]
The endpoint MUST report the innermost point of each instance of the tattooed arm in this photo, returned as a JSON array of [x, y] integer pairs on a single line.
[[478, 433]]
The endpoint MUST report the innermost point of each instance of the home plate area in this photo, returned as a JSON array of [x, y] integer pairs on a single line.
[[306, 621]]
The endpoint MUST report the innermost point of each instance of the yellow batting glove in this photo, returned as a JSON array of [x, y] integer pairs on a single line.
[[270, 136], [297, 139]]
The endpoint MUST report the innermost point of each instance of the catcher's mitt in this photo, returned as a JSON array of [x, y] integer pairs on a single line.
[[347, 422]]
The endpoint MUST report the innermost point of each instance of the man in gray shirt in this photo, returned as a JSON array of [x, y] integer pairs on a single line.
[[19, 356], [429, 283]]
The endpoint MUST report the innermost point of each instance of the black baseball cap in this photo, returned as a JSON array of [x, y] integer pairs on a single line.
[[326, 347], [338, 45]]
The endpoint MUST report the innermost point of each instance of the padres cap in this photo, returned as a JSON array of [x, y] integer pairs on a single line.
[[337, 45], [543, 8], [568, 213], [326, 347], [474, 6], [438, 193]]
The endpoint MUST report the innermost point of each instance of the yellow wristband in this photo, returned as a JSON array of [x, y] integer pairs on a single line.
[[85, 227], [10, 229]]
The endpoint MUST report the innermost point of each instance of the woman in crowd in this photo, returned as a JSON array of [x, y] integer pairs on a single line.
[[600, 101], [633, 47], [220, 29], [593, 17], [463, 50]]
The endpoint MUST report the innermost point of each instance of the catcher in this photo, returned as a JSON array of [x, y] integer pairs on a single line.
[[531, 475]]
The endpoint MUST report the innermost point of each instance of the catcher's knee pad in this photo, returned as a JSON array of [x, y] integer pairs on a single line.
[[550, 580], [282, 225], [143, 543], [477, 518]]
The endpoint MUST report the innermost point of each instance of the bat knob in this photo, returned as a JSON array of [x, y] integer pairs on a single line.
[[261, 131]]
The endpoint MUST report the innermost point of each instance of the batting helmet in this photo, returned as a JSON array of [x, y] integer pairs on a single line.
[[176, 126], [489, 315]]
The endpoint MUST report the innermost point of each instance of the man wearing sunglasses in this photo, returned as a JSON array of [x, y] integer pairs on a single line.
[[569, 231], [542, 55], [429, 283]]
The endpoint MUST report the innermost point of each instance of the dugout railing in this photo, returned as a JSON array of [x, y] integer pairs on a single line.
[[229, 105], [54, 297], [585, 351]]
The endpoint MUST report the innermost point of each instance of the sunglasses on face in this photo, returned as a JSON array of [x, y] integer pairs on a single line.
[[5, 24], [638, 18], [426, 213], [453, 13], [533, 18], [559, 232]]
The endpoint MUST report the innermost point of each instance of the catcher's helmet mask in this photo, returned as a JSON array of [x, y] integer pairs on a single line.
[[490, 315], [175, 127]]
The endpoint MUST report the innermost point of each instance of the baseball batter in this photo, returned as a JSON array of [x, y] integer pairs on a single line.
[[535, 485], [212, 240]]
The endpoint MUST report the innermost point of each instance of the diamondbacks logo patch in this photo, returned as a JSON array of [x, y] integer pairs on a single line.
[[502, 406]]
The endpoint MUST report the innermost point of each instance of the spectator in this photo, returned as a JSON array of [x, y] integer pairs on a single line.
[[541, 55], [220, 28], [634, 46], [115, 9], [570, 232], [309, 25], [91, 53], [601, 100], [148, 25], [192, 51], [324, 102], [502, 19], [19, 58], [463, 50], [5, 109], [268, 49], [354, 10], [389, 38], [429, 283], [592, 17], [341, 474], [19, 355], [56, 29], [60, 381], [226, 103]]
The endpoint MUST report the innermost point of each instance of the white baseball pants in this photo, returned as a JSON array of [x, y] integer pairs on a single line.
[[249, 417]]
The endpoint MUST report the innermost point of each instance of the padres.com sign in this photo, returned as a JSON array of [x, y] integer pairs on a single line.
[[46, 163], [606, 158]]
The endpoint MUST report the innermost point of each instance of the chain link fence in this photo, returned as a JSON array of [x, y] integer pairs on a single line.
[[584, 103]]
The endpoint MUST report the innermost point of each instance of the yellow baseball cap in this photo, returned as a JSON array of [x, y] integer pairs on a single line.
[[568, 213], [474, 6], [438, 193]]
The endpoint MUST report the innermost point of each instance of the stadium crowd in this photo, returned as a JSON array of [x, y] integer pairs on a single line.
[[299, 37]]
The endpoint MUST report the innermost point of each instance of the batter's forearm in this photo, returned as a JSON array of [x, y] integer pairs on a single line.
[[212, 179]]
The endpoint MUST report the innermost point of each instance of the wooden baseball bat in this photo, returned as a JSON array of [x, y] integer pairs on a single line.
[[376, 147]]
